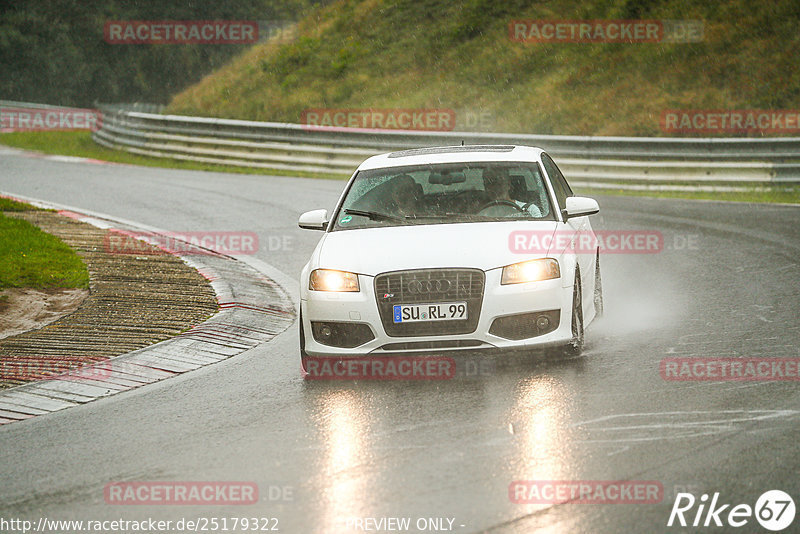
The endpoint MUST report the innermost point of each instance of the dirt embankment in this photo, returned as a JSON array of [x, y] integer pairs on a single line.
[[25, 309]]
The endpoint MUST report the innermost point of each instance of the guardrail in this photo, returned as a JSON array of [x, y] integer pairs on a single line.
[[295, 147]]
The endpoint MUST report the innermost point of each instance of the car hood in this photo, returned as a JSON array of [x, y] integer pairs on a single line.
[[372, 251]]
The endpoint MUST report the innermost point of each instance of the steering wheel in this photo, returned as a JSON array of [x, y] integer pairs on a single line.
[[461, 200], [502, 203]]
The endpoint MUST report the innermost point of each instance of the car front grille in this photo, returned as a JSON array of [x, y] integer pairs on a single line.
[[430, 286]]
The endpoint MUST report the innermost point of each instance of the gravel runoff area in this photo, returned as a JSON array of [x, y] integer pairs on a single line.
[[134, 301], [149, 316]]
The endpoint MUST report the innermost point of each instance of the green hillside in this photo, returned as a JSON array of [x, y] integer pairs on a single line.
[[458, 55]]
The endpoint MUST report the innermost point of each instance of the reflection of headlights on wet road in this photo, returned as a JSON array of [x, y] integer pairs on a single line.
[[345, 452]]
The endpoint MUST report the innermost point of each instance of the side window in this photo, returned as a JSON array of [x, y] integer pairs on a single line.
[[563, 180], [560, 186]]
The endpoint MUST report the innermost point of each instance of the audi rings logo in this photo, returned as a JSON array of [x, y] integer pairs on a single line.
[[429, 286]]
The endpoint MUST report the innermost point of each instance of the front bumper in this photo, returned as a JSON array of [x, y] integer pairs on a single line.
[[357, 312]]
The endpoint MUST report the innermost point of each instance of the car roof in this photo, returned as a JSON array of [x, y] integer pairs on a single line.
[[452, 154]]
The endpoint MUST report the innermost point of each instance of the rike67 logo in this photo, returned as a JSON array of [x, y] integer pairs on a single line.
[[774, 510]]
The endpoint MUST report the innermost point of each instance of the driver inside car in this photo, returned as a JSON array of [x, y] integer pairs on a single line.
[[405, 194], [497, 184]]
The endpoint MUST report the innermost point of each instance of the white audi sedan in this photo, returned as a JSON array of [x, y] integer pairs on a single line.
[[451, 249]]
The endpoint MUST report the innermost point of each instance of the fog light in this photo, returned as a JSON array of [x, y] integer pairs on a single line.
[[525, 325], [339, 334], [542, 322]]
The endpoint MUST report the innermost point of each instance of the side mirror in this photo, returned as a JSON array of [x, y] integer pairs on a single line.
[[314, 220], [579, 207]]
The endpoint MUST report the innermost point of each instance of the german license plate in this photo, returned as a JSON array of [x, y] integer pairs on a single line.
[[442, 311]]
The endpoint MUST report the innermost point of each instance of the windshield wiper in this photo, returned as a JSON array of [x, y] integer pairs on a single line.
[[373, 215], [462, 217], [439, 216]]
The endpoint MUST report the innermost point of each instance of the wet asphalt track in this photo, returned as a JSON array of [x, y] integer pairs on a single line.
[[440, 449]]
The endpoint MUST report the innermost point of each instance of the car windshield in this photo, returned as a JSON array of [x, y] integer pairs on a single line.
[[445, 193]]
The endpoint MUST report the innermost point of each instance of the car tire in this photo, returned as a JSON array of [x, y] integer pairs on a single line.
[[303, 353], [598, 289], [575, 346]]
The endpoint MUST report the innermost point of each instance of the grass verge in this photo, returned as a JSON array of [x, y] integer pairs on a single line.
[[7, 204], [32, 258], [775, 194]]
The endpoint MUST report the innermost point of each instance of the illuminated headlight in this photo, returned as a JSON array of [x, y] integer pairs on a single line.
[[329, 280], [530, 271]]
